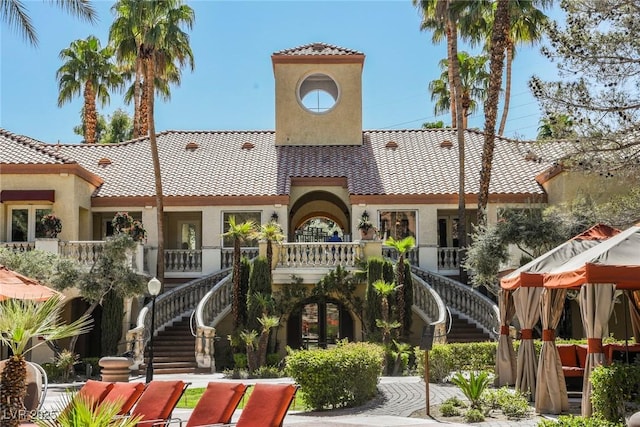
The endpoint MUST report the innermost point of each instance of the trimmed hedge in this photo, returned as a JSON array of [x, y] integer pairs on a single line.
[[614, 387], [346, 375]]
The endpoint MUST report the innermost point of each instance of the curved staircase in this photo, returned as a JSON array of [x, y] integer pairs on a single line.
[[173, 350]]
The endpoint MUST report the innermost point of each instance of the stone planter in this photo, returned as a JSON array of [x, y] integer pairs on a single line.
[[115, 368]]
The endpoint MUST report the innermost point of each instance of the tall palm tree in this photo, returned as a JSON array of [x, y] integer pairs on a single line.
[[499, 34], [271, 232], [87, 68], [150, 34], [444, 15], [239, 233], [171, 51], [25, 325], [474, 78], [14, 13], [402, 246], [527, 27]]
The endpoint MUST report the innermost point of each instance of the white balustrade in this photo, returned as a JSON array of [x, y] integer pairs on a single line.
[[319, 254]]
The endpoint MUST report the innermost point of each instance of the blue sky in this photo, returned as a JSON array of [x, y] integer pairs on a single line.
[[232, 86]]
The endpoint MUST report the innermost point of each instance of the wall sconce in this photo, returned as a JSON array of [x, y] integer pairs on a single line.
[[274, 217]]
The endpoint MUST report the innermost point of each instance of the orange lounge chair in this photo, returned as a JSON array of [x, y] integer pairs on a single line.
[[217, 404], [125, 393], [267, 405], [94, 391], [157, 402]]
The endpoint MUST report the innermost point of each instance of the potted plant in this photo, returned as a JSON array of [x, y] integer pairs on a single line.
[[51, 225], [124, 223], [366, 227]]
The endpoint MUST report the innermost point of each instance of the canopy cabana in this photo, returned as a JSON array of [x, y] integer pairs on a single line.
[[598, 272], [543, 378]]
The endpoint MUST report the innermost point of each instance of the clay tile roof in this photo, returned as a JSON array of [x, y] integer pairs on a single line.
[[221, 167], [317, 49], [19, 149]]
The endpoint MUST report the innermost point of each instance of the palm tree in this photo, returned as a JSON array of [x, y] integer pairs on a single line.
[[474, 78], [87, 68], [239, 233], [527, 24], [171, 51], [14, 13], [25, 325], [443, 16], [499, 34], [149, 33], [385, 290], [271, 232], [402, 247]]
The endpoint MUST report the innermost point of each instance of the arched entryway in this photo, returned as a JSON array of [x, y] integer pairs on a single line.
[[315, 215], [319, 323]]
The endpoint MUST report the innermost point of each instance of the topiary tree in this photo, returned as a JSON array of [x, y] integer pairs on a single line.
[[112, 313]]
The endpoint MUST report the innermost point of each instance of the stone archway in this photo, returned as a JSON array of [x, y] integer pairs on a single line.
[[319, 204]]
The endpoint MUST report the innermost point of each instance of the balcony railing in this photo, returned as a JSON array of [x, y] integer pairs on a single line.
[[448, 258], [413, 256], [176, 260], [319, 254], [86, 252], [19, 246], [226, 260]]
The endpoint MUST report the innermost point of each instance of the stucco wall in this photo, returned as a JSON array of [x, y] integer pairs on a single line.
[[342, 125], [72, 196]]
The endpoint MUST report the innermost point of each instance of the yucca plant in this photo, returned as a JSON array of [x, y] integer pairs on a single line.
[[472, 387], [76, 411], [26, 324]]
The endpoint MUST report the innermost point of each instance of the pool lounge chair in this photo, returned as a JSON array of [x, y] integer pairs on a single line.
[[267, 405], [217, 404], [158, 402]]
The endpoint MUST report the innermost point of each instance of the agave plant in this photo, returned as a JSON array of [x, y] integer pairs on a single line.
[[77, 410], [472, 387]]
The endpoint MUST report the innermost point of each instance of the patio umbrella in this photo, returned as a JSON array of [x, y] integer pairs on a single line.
[[551, 391], [599, 271], [15, 285]]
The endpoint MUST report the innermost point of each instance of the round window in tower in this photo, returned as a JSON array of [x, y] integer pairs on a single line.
[[318, 93]]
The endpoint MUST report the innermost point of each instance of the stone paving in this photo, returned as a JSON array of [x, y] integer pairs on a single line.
[[399, 398]]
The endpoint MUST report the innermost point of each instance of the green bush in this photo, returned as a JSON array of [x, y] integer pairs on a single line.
[[574, 421], [273, 359], [346, 375], [513, 403], [613, 386], [449, 410], [473, 416], [93, 362], [240, 360], [267, 372], [54, 373]]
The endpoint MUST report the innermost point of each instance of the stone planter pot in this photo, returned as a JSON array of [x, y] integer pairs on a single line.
[[115, 368]]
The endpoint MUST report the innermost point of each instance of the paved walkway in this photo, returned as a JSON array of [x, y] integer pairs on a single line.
[[399, 398]]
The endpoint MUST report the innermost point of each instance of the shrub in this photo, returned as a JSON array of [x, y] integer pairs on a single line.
[[267, 372], [240, 360], [575, 421], [346, 375], [612, 387], [449, 410], [474, 416]]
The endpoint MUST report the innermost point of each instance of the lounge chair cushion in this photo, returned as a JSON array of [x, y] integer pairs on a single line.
[[158, 400], [267, 405], [94, 391], [125, 393], [217, 404]]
